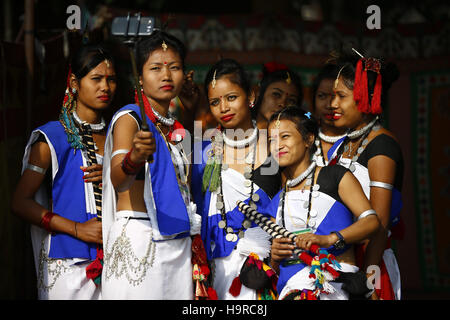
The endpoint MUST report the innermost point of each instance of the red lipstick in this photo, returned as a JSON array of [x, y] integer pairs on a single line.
[[167, 88], [104, 97], [227, 117]]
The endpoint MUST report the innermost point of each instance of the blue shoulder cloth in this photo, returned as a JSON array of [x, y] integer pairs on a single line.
[[68, 195], [171, 211]]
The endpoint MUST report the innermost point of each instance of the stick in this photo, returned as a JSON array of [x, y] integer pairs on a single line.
[[92, 159]]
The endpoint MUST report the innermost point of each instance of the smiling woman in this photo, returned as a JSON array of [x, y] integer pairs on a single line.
[[319, 204], [234, 170], [51, 193]]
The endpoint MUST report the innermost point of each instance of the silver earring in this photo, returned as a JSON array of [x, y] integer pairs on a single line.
[[74, 90]]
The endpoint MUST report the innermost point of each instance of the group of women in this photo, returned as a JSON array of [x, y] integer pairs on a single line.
[[118, 212]]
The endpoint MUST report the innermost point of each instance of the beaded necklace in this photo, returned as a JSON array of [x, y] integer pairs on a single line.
[[311, 178], [232, 236]]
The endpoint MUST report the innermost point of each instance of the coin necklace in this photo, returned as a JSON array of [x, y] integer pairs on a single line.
[[230, 235]]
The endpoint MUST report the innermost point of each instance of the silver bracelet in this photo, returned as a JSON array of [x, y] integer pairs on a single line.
[[120, 151], [366, 213], [35, 168], [381, 185]]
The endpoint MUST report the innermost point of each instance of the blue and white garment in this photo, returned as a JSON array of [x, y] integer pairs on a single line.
[[228, 257], [59, 258], [327, 214], [147, 255], [386, 146]]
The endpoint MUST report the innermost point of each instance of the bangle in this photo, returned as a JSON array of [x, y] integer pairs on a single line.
[[45, 221], [130, 167]]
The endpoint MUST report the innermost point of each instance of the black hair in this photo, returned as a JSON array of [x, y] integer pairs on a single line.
[[154, 42], [328, 71], [231, 68], [347, 61], [304, 121], [275, 76], [87, 58]]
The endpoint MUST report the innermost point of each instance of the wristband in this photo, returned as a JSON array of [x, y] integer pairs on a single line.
[[130, 167], [45, 221]]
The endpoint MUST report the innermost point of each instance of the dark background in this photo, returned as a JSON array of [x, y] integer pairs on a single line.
[[414, 34]]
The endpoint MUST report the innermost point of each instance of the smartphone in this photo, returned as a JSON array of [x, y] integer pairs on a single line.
[[133, 26]]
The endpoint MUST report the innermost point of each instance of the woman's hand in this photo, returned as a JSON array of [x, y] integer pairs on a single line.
[[94, 173], [144, 145], [282, 248], [304, 241], [89, 231]]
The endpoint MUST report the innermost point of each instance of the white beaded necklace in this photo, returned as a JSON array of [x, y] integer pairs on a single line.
[[297, 180], [95, 127]]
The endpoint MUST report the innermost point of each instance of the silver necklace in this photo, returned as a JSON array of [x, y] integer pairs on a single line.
[[330, 139], [95, 127], [360, 132], [297, 180], [241, 143], [168, 122]]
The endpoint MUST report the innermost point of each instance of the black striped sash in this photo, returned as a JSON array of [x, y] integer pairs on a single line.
[[92, 159]]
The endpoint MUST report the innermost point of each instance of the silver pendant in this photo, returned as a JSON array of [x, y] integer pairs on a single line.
[[313, 213], [316, 187], [247, 175], [352, 167], [230, 230], [312, 223], [365, 141], [248, 169], [308, 182], [253, 205], [222, 224], [247, 224], [306, 204], [255, 197], [247, 183], [219, 205], [241, 234], [315, 194], [360, 150], [229, 237]]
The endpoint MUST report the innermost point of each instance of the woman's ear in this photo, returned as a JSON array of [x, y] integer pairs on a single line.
[[74, 83], [253, 95]]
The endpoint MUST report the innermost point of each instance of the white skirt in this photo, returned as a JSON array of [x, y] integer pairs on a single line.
[[60, 279], [225, 270], [394, 272], [136, 267], [301, 280]]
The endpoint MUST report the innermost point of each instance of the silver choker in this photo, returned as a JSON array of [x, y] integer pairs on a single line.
[[95, 127], [292, 183], [358, 133], [330, 139], [241, 143], [168, 122]]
